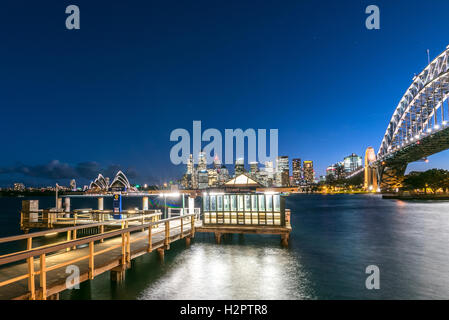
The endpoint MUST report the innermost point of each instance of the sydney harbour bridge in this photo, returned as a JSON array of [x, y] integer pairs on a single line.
[[418, 128]]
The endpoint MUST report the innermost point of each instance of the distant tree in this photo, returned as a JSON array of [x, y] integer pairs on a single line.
[[436, 179], [414, 180]]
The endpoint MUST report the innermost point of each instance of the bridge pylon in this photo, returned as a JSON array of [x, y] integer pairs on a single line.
[[371, 176]]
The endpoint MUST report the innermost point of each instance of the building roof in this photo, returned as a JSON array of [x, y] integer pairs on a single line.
[[242, 180]]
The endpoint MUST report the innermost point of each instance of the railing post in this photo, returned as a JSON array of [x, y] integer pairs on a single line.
[[150, 242], [123, 249], [167, 235], [74, 238], [128, 247], [30, 243], [102, 231], [43, 277], [69, 236], [31, 287], [192, 227], [182, 227], [91, 260]]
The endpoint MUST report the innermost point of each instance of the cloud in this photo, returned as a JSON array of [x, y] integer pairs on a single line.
[[57, 170]]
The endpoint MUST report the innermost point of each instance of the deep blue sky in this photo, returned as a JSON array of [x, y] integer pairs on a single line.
[[107, 96]]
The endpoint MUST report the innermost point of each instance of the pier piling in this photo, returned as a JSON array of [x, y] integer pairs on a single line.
[[161, 253]]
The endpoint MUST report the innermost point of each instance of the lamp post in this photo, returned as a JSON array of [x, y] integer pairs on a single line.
[[56, 204]]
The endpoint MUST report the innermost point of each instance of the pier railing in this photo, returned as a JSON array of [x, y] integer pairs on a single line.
[[165, 227], [47, 218]]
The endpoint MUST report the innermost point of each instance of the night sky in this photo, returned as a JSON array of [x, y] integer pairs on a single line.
[[106, 97]]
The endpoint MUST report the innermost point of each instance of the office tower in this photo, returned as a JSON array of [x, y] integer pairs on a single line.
[[352, 162], [269, 167], [203, 179], [223, 175], [296, 171], [282, 171], [330, 171], [309, 174], [254, 167], [239, 166], [213, 177], [202, 162], [217, 163], [190, 164]]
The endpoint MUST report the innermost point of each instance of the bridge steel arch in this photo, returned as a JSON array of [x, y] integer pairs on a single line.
[[419, 126], [417, 112]]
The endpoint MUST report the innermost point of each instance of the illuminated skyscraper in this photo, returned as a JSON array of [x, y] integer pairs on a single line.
[[352, 162], [309, 174], [296, 171], [217, 163], [282, 171], [190, 164], [239, 166], [254, 167], [202, 162]]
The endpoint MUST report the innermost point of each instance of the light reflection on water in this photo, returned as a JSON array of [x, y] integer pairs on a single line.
[[208, 271]]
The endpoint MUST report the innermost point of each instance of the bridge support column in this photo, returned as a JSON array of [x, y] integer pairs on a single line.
[[145, 203], [161, 253], [118, 274], [188, 239]]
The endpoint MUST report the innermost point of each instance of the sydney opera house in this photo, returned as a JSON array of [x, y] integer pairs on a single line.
[[119, 183]]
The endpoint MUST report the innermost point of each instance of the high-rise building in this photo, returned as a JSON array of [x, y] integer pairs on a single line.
[[282, 163], [203, 179], [217, 163], [352, 162], [309, 174], [223, 175], [190, 164], [239, 166], [213, 177], [202, 162], [254, 167], [296, 171], [282, 171], [269, 167], [330, 171]]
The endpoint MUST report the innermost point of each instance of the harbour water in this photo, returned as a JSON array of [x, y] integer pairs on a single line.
[[334, 239]]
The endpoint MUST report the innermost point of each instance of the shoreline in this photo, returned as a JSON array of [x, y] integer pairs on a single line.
[[416, 196]]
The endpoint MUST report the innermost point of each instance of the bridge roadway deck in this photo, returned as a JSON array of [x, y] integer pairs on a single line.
[[56, 279]]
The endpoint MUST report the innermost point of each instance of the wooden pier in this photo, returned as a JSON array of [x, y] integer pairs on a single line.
[[23, 277], [97, 241]]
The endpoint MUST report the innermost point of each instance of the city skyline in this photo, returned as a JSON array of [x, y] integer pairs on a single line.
[[94, 106]]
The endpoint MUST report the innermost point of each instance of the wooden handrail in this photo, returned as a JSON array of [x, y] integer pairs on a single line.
[[60, 230], [68, 244]]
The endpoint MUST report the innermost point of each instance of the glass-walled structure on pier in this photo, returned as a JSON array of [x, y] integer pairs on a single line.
[[240, 204]]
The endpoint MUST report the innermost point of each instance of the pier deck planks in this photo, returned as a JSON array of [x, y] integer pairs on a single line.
[[104, 262]]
